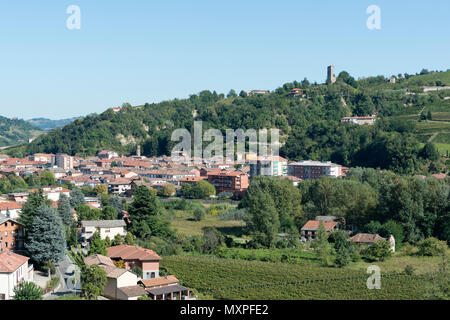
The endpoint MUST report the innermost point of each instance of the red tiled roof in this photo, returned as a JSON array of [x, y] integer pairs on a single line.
[[10, 262], [10, 205], [162, 281], [126, 252], [314, 225], [366, 238]]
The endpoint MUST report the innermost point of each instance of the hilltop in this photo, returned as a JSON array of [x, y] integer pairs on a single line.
[[16, 131], [309, 122]]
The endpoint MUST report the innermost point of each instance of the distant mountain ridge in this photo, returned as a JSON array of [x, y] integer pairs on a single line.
[[47, 124]]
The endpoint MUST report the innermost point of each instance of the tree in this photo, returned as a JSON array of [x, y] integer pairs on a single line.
[[393, 228], [29, 209], [101, 189], [378, 251], [115, 202], [46, 237], [262, 220], [27, 291], [199, 214], [129, 239], [93, 281], [118, 240], [47, 178], [344, 248], [148, 215], [109, 213], [321, 245], [167, 190], [97, 245], [186, 190], [203, 189], [242, 94], [429, 116], [76, 198], [212, 239], [231, 94], [430, 152], [65, 210]]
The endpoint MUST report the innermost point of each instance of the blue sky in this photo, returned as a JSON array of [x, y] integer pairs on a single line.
[[141, 51]]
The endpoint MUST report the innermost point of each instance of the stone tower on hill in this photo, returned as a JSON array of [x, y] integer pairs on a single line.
[[331, 78]]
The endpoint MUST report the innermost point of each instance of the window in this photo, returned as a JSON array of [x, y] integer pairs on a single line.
[[107, 230]]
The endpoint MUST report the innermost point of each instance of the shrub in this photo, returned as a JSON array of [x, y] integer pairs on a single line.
[[199, 214], [379, 251], [409, 270], [432, 247]]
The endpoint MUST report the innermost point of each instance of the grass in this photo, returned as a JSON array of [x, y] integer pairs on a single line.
[[441, 116], [186, 225], [443, 147], [431, 126], [442, 138]]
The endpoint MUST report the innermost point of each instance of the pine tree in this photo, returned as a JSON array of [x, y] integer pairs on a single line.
[[29, 209], [97, 245], [76, 198], [46, 237], [65, 210]]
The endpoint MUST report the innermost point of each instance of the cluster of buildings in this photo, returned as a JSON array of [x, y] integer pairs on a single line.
[[124, 284]]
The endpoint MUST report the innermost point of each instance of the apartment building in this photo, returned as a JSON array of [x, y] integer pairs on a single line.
[[308, 169]]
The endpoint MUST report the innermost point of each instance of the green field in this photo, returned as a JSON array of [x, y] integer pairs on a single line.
[[239, 279], [187, 226], [442, 138], [443, 147]]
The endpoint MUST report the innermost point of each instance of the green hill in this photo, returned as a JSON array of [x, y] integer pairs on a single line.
[[310, 125], [14, 132]]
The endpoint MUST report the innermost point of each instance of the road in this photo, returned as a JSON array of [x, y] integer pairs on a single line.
[[66, 271]]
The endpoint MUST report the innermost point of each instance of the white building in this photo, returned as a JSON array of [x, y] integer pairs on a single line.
[[63, 161], [106, 228], [14, 269], [54, 192], [359, 120], [269, 166]]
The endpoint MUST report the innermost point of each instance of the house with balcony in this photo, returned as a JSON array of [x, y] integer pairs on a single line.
[[12, 234]]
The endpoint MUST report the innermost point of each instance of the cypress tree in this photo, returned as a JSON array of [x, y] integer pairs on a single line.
[[65, 210]]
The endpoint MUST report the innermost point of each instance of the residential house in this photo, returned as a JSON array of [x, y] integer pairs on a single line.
[[235, 182], [119, 186], [54, 192], [12, 234], [19, 197], [310, 229], [166, 288], [106, 228], [14, 269], [369, 239], [11, 208], [133, 256], [107, 154], [121, 284]]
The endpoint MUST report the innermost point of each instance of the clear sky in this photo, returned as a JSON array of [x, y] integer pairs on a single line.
[[141, 51]]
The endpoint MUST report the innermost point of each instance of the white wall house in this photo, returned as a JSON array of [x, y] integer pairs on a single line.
[[106, 228], [53, 193], [14, 269]]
